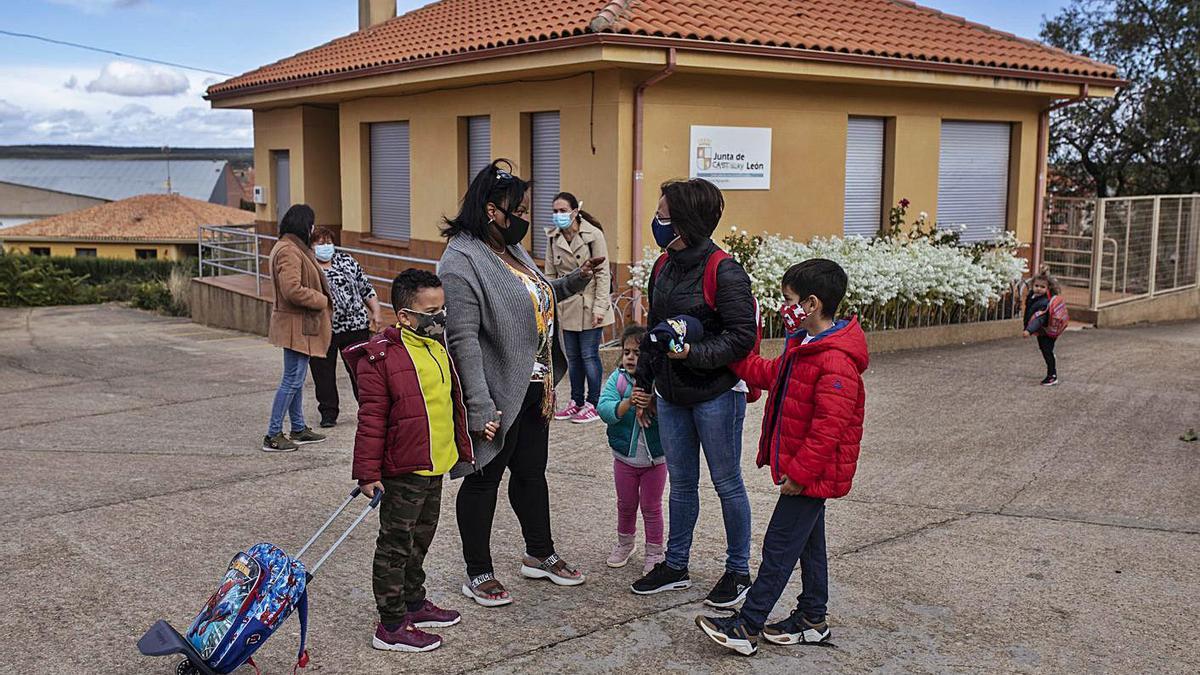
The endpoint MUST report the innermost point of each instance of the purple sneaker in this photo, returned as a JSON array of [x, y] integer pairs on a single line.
[[432, 616], [406, 638]]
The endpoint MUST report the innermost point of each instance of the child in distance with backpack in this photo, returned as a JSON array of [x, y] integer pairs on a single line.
[[412, 430], [639, 465], [1045, 317], [811, 432]]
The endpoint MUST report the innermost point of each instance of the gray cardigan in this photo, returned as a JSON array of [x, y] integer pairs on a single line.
[[492, 335]]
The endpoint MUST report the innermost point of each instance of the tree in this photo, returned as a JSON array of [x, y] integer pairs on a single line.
[[1146, 139]]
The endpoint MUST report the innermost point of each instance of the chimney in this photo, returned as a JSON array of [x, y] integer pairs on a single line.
[[375, 12]]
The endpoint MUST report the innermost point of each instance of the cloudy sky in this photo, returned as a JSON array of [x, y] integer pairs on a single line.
[[58, 94]]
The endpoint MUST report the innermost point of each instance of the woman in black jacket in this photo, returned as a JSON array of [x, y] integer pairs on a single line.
[[700, 402]]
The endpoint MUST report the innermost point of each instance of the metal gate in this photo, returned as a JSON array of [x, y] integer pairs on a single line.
[[1114, 250]]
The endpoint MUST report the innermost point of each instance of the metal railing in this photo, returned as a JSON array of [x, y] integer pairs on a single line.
[[1120, 249], [235, 250]]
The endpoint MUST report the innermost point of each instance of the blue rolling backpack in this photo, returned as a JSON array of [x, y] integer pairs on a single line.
[[260, 590]]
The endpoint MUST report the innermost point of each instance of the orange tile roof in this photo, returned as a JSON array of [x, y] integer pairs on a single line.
[[144, 218], [894, 29]]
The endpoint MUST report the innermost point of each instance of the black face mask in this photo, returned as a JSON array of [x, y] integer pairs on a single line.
[[431, 326], [517, 228]]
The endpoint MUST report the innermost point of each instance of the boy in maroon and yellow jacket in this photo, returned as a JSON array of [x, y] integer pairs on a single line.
[[412, 430], [810, 438]]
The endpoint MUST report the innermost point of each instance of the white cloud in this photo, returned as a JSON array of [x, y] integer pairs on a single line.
[[35, 107], [97, 6], [72, 82], [123, 78]]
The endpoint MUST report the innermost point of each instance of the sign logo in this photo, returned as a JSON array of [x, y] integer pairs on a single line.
[[703, 154]]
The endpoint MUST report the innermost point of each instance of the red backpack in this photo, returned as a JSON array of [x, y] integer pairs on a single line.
[[1057, 317], [709, 287]]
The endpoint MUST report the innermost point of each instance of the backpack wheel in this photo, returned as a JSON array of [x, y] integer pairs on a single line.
[[185, 667]]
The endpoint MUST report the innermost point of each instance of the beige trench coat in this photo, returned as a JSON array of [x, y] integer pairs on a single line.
[[562, 258], [302, 319]]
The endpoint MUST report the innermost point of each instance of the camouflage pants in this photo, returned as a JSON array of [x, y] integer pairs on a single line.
[[408, 518]]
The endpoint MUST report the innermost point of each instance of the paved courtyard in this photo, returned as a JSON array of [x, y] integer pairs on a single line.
[[995, 526]]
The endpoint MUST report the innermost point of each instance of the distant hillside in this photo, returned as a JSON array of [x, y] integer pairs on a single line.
[[239, 158]]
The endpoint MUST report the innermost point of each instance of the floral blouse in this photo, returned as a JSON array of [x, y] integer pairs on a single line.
[[542, 296], [351, 289]]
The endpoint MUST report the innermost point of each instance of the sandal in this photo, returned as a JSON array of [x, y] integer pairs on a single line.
[[553, 568], [487, 591]]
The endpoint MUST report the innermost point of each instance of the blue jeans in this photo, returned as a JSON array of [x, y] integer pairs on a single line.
[[290, 395], [716, 426], [583, 362], [796, 532]]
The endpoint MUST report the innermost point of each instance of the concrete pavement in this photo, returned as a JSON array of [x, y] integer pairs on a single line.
[[995, 525]]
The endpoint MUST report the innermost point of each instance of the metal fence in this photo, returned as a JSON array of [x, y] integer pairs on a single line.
[[1114, 250], [228, 251]]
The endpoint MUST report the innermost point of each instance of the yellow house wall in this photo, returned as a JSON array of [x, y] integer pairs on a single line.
[[808, 122], [310, 135], [123, 251], [438, 180]]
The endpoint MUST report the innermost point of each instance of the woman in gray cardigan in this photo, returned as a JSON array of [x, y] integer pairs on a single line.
[[507, 349]]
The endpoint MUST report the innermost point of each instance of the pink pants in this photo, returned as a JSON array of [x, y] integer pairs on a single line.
[[640, 486]]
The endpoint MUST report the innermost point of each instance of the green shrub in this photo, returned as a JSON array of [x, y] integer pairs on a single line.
[[34, 281], [28, 282]]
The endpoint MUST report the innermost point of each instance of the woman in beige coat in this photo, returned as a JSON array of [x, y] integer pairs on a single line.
[[575, 238], [300, 324]]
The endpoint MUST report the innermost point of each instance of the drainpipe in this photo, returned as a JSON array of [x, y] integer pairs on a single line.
[[1039, 197], [638, 165]]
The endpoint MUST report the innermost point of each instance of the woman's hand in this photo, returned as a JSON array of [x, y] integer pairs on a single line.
[[492, 428], [597, 320], [588, 268], [1024, 333], [680, 356], [640, 398]]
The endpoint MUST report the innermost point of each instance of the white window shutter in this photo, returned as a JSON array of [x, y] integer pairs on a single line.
[[546, 149], [864, 177], [973, 179], [391, 204]]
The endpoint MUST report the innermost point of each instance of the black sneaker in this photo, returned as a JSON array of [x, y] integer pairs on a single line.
[[306, 436], [796, 630], [1050, 381], [278, 443], [729, 591], [328, 424], [730, 633], [662, 578]]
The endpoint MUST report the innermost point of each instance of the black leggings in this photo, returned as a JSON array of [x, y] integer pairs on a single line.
[[324, 372], [524, 455], [1046, 344]]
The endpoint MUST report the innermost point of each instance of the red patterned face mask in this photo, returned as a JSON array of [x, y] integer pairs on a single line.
[[793, 316]]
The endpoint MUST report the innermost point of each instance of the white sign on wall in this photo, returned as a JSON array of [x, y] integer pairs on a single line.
[[732, 158]]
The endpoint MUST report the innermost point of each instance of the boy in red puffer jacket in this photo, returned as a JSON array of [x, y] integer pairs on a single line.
[[810, 438], [412, 430]]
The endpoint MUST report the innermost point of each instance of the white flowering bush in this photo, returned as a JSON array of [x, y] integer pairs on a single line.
[[900, 273]]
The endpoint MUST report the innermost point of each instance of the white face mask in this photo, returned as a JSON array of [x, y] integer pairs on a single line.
[[324, 252]]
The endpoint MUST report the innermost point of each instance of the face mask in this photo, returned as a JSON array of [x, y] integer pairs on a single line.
[[324, 252], [793, 316], [664, 234], [561, 220], [516, 230], [428, 325]]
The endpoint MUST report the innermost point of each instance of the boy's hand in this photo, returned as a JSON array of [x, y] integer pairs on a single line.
[[790, 488], [492, 428], [681, 354], [370, 488]]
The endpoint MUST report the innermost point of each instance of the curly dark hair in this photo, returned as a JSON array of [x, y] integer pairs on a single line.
[[408, 283]]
